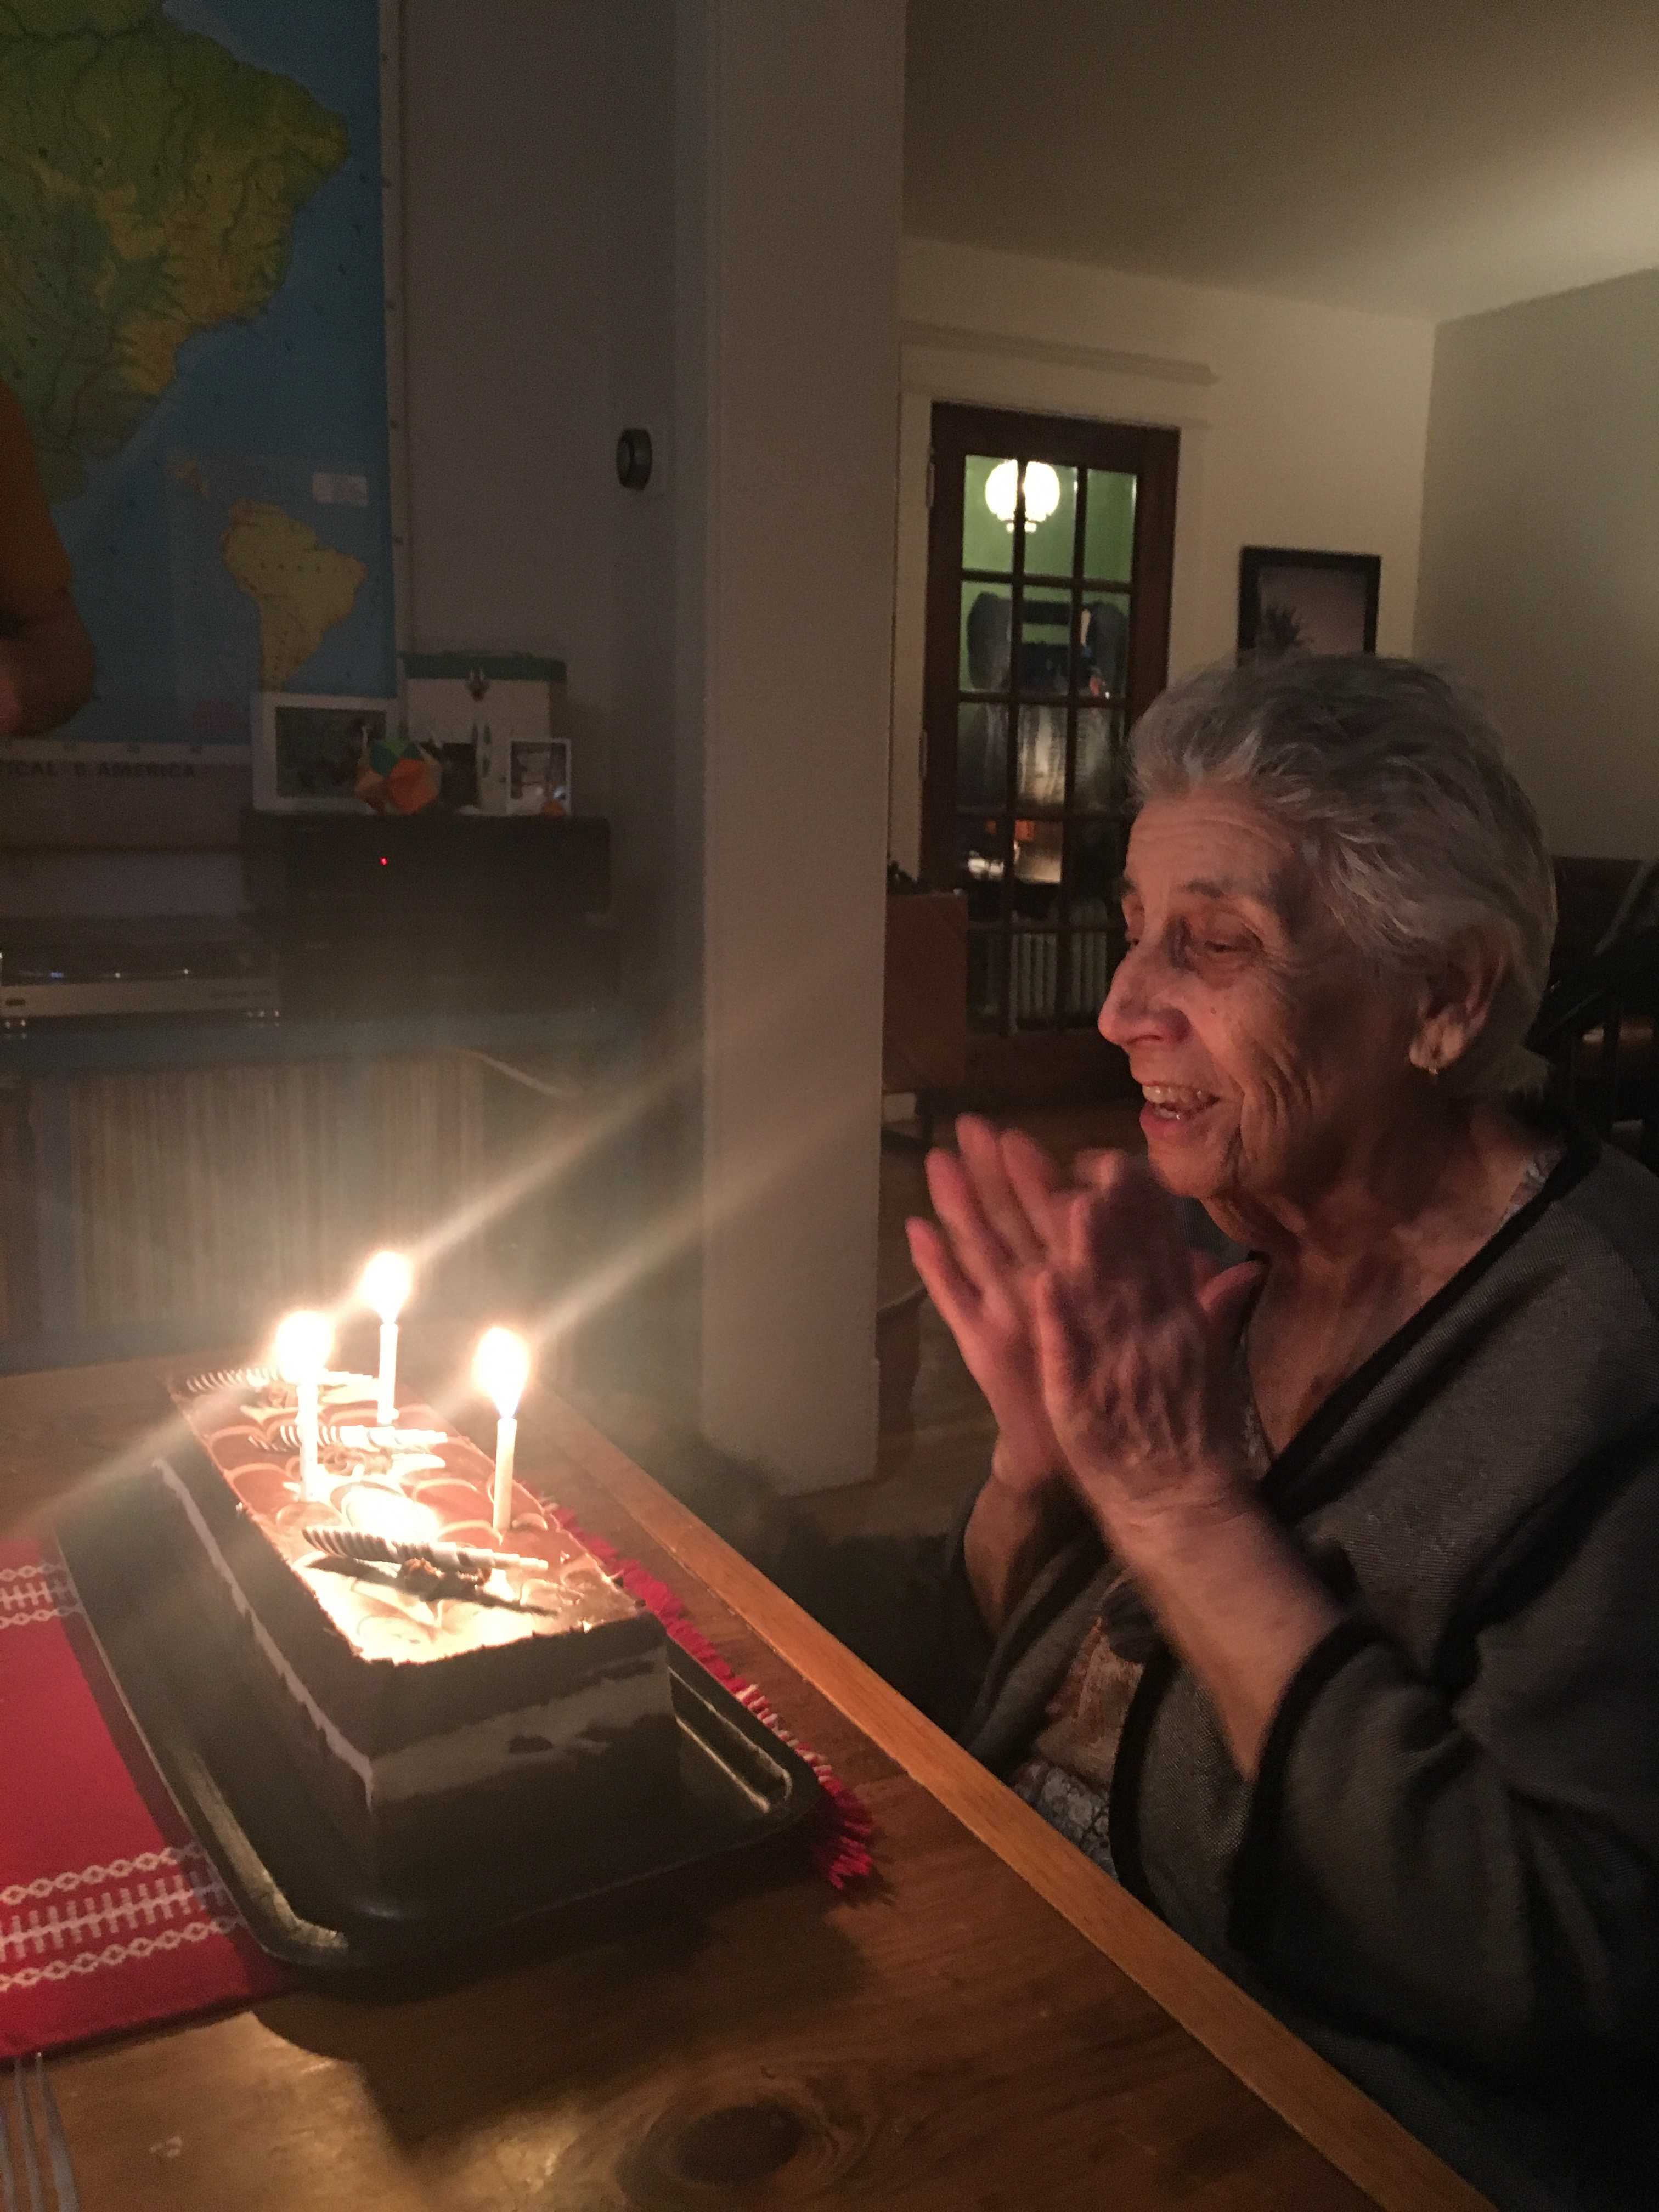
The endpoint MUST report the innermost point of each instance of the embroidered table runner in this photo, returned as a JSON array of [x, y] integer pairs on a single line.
[[112, 1915]]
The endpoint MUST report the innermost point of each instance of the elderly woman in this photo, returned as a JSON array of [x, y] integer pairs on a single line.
[[1313, 1598]]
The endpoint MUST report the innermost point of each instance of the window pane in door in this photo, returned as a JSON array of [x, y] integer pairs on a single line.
[[1033, 977], [1094, 864], [1098, 786], [988, 636], [982, 863], [1109, 538], [1041, 757], [1088, 972], [1045, 643], [987, 542], [1104, 635], [1039, 854], [1050, 519], [982, 756]]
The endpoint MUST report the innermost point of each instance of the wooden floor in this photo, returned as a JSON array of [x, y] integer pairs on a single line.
[[924, 1467]]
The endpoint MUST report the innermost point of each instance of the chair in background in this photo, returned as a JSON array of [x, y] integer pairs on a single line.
[[1596, 1028], [924, 1034]]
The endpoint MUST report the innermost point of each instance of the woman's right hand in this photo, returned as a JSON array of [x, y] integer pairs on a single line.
[[997, 1201]]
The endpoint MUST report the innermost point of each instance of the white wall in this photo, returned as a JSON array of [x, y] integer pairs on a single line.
[[788, 507], [1541, 549], [610, 220], [1300, 426], [538, 262]]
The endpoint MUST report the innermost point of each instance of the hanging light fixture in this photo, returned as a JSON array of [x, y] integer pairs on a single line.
[[1042, 492]]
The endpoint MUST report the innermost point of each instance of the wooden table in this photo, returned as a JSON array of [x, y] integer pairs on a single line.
[[991, 2023]]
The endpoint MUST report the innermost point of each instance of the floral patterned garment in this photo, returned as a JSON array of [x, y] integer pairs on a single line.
[[1067, 1777]]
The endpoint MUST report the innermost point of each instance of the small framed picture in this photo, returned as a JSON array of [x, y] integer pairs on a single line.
[[538, 775], [308, 753], [1295, 601]]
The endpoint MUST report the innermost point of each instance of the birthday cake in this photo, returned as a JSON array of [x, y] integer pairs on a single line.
[[438, 1712]]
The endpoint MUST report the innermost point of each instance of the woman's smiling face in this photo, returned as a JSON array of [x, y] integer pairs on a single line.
[[1269, 1051]]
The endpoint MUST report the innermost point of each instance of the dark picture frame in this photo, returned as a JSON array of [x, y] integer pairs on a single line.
[[1291, 599]]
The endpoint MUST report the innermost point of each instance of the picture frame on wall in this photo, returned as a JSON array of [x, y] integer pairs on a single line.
[[1291, 599], [309, 751]]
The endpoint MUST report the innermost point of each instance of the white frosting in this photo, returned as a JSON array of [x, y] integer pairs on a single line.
[[569, 1722]]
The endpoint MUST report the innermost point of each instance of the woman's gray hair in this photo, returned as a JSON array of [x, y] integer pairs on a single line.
[[1393, 782]]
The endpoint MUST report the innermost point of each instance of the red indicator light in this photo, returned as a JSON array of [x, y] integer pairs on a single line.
[[383, 860]]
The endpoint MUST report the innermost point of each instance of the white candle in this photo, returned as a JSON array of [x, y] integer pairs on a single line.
[[501, 1368], [299, 1355], [384, 1289], [507, 1441]]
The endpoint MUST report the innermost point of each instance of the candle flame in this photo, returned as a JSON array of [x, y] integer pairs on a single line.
[[303, 1342], [501, 1368], [385, 1285]]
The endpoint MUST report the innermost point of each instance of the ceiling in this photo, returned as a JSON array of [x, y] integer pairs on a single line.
[[1421, 157]]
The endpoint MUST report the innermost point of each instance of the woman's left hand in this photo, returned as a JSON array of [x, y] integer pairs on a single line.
[[1136, 1361]]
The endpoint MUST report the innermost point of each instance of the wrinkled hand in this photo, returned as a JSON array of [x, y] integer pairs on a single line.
[[999, 1210], [1134, 1355]]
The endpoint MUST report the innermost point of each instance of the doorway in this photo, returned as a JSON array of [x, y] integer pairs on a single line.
[[1051, 543]]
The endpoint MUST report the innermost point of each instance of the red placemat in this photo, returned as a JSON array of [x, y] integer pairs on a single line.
[[112, 1915]]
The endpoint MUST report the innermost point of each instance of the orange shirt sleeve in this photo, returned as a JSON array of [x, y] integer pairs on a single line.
[[34, 569]]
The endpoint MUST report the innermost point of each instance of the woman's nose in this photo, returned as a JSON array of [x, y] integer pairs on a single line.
[[1135, 1005]]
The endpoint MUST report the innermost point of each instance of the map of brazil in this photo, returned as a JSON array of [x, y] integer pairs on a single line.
[[192, 313]]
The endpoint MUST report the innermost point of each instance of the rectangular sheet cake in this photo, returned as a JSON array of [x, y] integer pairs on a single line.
[[441, 1726]]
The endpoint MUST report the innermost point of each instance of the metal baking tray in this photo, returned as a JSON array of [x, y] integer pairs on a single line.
[[742, 1787]]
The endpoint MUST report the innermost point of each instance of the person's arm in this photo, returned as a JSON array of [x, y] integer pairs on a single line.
[[1237, 1601], [45, 655], [1479, 1871], [1136, 1362], [1476, 1870], [46, 668], [976, 1262], [1018, 1521]]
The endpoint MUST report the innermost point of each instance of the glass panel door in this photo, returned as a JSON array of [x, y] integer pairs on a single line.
[[1049, 558]]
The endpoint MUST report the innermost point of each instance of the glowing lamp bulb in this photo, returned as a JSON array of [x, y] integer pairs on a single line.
[[303, 1342], [501, 1368], [385, 1285], [1042, 492]]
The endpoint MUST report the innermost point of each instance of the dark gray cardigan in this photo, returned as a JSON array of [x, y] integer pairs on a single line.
[[1446, 1874]]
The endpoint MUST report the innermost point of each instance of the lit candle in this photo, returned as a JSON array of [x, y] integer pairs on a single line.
[[385, 1290], [500, 1369], [299, 1355]]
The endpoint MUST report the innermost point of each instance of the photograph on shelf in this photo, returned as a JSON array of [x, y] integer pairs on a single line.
[[310, 754], [538, 776], [1297, 601]]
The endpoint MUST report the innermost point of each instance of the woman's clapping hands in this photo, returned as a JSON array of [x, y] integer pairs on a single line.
[[996, 1203], [1133, 1335], [1102, 1343]]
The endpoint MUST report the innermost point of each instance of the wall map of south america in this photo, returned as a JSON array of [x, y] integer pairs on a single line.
[[191, 315]]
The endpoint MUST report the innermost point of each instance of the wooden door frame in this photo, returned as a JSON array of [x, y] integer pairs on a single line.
[[1036, 1064]]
